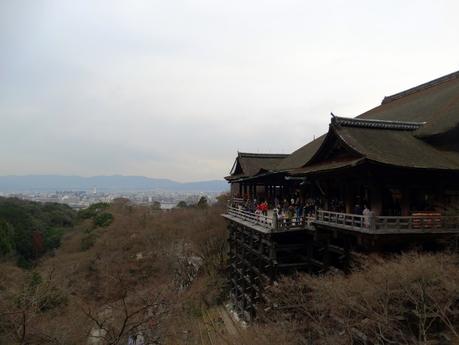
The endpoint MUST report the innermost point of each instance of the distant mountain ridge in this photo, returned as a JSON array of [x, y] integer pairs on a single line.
[[44, 183]]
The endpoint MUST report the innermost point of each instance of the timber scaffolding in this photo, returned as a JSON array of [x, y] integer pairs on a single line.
[[263, 247]]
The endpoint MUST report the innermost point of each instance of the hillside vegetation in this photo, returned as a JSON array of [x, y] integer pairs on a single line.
[[30, 229], [162, 275], [147, 271], [407, 299]]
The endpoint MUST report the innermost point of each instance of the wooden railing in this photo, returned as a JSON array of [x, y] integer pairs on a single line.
[[273, 222], [237, 201], [251, 217], [353, 221], [370, 223], [282, 223], [373, 224], [423, 223]]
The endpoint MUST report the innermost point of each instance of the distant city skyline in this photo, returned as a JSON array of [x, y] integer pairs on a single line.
[[173, 89], [51, 183]]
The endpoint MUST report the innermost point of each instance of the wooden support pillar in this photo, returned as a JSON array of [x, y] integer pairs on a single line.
[[347, 254], [327, 255], [273, 259], [309, 252]]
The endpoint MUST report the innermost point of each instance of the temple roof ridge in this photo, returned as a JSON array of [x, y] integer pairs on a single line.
[[421, 87], [262, 155], [376, 124]]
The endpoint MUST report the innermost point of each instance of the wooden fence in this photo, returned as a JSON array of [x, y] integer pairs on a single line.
[[433, 222]]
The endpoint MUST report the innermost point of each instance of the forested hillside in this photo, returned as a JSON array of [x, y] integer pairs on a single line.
[[30, 229], [162, 276]]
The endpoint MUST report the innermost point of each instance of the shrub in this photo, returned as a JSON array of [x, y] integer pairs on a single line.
[[53, 238], [22, 221], [88, 241], [202, 203], [93, 210], [53, 298], [6, 238], [410, 299], [182, 204], [103, 219], [24, 263]]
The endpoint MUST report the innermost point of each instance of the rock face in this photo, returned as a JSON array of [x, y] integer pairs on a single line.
[[187, 270], [96, 336]]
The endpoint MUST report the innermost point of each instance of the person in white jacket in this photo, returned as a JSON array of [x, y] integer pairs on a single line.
[[366, 216]]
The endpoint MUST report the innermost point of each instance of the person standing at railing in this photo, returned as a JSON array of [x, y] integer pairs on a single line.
[[298, 210], [246, 205], [257, 212], [308, 208], [275, 223], [285, 207], [366, 216], [290, 214], [264, 208]]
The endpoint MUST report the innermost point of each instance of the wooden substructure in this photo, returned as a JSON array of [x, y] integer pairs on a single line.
[[257, 258]]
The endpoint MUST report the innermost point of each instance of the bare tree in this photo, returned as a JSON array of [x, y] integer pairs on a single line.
[[20, 312], [129, 312]]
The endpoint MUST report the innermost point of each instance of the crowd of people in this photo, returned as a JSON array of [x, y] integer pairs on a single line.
[[295, 209]]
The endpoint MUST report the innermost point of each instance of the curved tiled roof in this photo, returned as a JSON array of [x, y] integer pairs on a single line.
[[396, 147], [397, 132], [426, 110], [436, 103], [253, 164], [301, 156], [422, 87]]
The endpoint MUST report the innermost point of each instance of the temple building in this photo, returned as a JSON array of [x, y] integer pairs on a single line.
[[399, 158], [384, 179]]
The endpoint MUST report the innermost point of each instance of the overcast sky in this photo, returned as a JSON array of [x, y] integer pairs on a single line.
[[175, 88]]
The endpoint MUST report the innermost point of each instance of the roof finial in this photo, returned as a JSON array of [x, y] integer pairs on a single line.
[[334, 120]]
